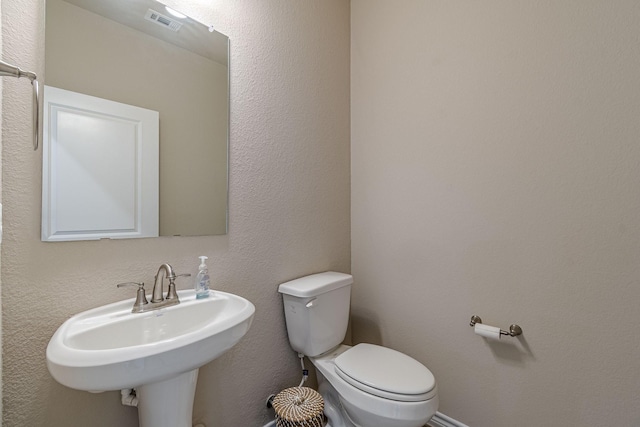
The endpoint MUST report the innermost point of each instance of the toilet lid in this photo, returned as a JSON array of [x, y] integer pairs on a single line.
[[385, 373]]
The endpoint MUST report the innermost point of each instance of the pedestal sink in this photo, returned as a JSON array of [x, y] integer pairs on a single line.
[[158, 352]]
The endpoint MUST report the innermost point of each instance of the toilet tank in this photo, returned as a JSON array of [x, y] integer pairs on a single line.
[[316, 311]]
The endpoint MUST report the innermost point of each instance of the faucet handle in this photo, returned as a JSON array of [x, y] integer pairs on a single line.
[[171, 292], [183, 275], [141, 297], [138, 284]]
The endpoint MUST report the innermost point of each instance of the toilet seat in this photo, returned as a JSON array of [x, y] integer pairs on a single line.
[[385, 373]]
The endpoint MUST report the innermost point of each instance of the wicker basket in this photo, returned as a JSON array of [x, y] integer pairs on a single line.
[[298, 407]]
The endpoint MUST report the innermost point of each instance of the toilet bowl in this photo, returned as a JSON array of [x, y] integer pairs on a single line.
[[365, 385], [363, 405]]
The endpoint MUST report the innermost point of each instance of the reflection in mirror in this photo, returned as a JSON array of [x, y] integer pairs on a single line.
[[135, 52]]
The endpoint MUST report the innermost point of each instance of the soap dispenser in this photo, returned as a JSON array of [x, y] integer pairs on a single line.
[[202, 279]]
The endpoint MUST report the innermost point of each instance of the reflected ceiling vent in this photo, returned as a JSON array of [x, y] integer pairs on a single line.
[[163, 20]]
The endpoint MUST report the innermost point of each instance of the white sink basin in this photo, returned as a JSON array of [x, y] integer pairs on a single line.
[[110, 348]]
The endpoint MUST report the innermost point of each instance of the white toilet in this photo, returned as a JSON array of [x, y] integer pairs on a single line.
[[363, 386]]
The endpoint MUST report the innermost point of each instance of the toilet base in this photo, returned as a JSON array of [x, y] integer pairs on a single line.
[[333, 409]]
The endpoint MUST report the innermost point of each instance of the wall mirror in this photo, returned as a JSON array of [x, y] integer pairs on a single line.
[[137, 53]]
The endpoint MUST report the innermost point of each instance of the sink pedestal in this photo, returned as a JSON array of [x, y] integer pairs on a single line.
[[168, 403]]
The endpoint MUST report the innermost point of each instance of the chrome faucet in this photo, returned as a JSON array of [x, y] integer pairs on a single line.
[[158, 300]]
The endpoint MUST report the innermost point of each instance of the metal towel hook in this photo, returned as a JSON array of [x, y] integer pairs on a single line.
[[8, 70]]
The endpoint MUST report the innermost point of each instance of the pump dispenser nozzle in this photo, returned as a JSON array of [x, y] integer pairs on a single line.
[[203, 263]]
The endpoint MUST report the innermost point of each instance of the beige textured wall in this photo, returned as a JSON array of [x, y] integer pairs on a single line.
[[1, 94], [496, 171], [289, 213], [81, 53]]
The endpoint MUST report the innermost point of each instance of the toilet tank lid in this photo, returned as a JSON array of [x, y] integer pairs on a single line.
[[315, 284]]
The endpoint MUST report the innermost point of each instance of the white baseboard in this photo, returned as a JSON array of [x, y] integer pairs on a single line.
[[441, 420], [438, 420]]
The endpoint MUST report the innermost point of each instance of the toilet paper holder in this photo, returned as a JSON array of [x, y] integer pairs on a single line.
[[514, 330]]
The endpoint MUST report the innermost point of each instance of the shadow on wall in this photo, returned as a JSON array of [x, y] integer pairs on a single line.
[[514, 351], [364, 325]]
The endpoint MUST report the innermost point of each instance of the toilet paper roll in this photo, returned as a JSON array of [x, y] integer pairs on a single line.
[[487, 331]]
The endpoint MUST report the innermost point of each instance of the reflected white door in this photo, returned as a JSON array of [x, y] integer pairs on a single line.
[[100, 168]]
